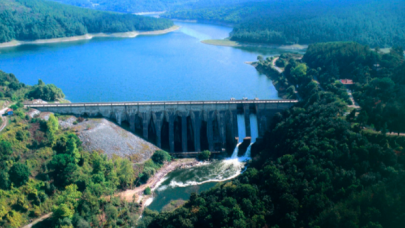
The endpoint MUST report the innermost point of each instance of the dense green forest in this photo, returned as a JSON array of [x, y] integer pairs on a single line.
[[44, 169], [374, 23], [319, 167], [379, 80], [13, 90], [39, 19], [135, 6]]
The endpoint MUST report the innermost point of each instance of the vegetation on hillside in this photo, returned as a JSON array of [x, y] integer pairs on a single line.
[[135, 6], [378, 77], [374, 23], [44, 169], [12, 89], [318, 168], [40, 19]]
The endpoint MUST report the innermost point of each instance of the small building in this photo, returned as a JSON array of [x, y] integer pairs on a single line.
[[10, 112], [347, 82]]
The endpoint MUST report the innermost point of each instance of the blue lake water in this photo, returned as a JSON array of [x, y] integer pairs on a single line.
[[174, 66]]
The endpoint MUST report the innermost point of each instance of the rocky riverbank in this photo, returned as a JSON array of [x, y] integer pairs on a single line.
[[137, 194]]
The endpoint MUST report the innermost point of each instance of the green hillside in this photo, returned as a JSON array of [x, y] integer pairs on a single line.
[[318, 167], [375, 23], [135, 6], [39, 19]]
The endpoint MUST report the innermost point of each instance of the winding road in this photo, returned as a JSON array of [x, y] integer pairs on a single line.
[[4, 119], [275, 66]]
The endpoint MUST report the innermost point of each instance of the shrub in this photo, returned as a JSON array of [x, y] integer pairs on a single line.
[[147, 191], [160, 156], [19, 174], [204, 155]]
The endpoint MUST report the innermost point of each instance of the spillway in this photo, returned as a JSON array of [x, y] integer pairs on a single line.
[[241, 134], [241, 127], [254, 131]]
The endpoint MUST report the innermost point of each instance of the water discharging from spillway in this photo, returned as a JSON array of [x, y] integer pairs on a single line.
[[254, 132], [179, 184], [241, 134]]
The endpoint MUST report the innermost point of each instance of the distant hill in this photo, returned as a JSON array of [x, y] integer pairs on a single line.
[[136, 6], [375, 23], [39, 19]]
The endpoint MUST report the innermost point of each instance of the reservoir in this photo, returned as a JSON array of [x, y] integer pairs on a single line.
[[173, 66]]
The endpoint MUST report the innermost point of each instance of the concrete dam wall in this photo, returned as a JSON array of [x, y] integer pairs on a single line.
[[184, 126]]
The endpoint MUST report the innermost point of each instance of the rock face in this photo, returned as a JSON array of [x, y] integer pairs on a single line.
[[106, 136]]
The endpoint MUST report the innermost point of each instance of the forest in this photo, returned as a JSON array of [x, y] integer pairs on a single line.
[[13, 90], [38, 19], [320, 165], [376, 23], [44, 169], [136, 6], [378, 78]]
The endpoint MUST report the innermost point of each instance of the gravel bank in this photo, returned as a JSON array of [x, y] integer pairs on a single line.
[[104, 135]]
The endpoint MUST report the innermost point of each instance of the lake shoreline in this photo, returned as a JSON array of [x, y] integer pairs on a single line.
[[230, 43], [89, 36]]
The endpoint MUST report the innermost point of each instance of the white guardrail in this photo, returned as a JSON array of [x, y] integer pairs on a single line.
[[150, 103]]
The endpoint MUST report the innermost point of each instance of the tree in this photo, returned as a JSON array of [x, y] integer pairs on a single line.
[[52, 124], [125, 172], [62, 211], [40, 82], [19, 174], [4, 180], [147, 191], [204, 155], [160, 156]]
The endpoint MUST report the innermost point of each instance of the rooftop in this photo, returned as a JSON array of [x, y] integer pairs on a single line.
[[346, 81]]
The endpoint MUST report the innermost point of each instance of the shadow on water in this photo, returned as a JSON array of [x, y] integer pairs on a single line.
[[270, 51]]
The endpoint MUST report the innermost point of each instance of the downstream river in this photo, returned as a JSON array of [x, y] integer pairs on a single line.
[[174, 66]]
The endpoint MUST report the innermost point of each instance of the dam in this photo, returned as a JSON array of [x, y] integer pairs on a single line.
[[182, 126]]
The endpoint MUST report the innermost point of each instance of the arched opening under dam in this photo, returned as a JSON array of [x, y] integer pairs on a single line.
[[165, 135], [203, 136], [152, 136], [190, 135], [138, 125], [178, 146]]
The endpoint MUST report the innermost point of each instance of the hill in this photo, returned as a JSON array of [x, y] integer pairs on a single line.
[[374, 23], [136, 6], [39, 19], [318, 167]]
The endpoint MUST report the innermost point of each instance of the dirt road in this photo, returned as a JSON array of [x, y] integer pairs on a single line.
[[275, 66], [40, 219]]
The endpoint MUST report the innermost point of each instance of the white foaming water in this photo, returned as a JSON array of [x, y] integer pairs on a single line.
[[235, 151], [207, 172], [148, 201], [159, 183], [218, 171], [248, 151]]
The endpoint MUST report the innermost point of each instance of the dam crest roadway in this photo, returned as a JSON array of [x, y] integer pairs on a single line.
[[180, 126]]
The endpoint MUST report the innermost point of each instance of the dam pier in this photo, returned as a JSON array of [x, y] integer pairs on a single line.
[[181, 126]]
